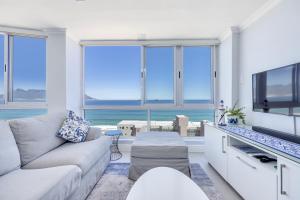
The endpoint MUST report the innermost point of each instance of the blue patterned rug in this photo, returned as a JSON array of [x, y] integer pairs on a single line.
[[114, 184]]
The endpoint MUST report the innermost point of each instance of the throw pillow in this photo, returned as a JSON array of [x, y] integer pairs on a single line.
[[74, 128]]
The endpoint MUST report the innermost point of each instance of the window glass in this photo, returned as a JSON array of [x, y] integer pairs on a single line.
[[197, 75], [29, 69], [185, 122], [130, 122], [6, 114], [159, 74], [112, 75]]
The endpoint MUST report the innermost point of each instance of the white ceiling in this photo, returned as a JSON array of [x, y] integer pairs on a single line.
[[130, 19]]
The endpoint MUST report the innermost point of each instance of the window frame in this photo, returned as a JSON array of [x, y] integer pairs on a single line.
[[212, 71], [178, 67], [8, 75]]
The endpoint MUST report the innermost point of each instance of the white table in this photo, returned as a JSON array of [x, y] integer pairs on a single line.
[[163, 183]]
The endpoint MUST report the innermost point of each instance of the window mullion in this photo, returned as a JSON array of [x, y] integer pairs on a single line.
[[143, 75], [179, 75], [213, 74], [10, 68], [5, 79]]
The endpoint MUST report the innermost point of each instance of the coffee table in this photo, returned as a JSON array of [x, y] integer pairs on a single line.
[[163, 183], [158, 149]]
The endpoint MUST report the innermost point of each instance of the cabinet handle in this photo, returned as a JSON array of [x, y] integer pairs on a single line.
[[246, 163], [282, 192], [223, 146]]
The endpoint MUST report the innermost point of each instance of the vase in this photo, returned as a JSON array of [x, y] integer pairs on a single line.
[[232, 120]]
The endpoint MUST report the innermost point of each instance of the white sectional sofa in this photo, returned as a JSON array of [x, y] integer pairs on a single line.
[[35, 164]]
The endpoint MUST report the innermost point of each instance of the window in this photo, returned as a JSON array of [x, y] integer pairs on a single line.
[[22, 76], [112, 75], [185, 122], [197, 75], [6, 114], [130, 122], [146, 87], [28, 69], [2, 69], [159, 75]]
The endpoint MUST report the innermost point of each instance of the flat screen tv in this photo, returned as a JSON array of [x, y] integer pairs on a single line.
[[277, 90]]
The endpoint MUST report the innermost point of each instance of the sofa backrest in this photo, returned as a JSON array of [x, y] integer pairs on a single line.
[[9, 153], [37, 135]]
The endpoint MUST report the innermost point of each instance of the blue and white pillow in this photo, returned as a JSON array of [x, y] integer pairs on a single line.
[[74, 128]]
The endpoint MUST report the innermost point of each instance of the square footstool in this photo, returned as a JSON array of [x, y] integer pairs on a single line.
[[158, 149]]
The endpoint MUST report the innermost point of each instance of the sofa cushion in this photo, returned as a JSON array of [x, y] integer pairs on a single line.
[[74, 128], [36, 136], [47, 184], [94, 133], [84, 155], [9, 154]]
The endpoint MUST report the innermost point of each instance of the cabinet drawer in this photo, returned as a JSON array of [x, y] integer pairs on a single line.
[[249, 178]]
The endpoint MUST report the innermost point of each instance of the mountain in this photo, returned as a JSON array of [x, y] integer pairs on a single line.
[[29, 95], [87, 97]]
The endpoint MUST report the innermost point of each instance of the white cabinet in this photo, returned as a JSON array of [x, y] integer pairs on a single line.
[[288, 180], [250, 178], [216, 147]]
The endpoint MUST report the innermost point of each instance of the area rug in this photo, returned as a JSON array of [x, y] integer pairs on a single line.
[[114, 184]]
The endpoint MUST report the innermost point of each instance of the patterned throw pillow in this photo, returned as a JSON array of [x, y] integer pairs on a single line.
[[74, 128]]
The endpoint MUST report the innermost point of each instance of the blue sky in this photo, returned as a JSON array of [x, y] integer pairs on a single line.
[[113, 73], [197, 73], [29, 63], [160, 73]]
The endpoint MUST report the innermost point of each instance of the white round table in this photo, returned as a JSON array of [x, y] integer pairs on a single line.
[[163, 183]]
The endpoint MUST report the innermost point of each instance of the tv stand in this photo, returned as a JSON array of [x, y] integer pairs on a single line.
[[278, 134], [233, 155]]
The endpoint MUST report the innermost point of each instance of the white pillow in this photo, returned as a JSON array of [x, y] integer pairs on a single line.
[[74, 128]]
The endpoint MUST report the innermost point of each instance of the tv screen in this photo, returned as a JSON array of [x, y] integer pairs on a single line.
[[276, 90]]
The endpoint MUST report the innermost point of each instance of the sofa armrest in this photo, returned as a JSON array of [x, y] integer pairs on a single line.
[[93, 134]]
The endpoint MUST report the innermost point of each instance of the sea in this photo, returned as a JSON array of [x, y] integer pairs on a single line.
[[113, 116]]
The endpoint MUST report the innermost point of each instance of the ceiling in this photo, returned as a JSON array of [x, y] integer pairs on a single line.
[[130, 19]]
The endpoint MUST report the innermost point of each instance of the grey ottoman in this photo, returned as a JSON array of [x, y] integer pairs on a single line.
[[158, 149]]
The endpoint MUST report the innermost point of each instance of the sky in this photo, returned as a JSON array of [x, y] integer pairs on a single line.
[[29, 63], [113, 72]]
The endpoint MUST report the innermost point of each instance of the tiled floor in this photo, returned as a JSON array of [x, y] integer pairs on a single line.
[[220, 184]]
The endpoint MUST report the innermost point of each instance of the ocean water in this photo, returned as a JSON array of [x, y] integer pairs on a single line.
[[113, 117], [135, 102], [6, 114]]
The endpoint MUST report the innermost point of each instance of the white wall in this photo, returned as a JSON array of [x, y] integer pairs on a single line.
[[228, 69], [271, 42], [224, 74], [73, 75], [56, 70]]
